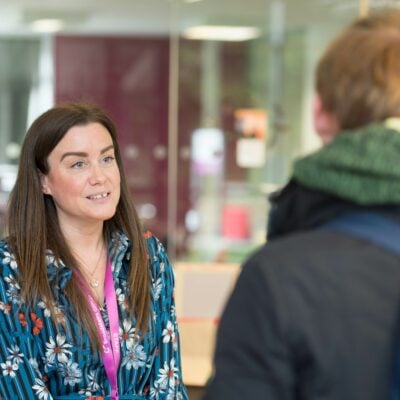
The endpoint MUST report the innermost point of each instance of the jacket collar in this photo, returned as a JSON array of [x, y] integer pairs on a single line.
[[361, 165], [358, 170]]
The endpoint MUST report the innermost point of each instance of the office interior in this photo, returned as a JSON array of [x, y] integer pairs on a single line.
[[212, 102]]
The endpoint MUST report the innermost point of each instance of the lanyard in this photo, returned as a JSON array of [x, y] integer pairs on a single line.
[[111, 346]]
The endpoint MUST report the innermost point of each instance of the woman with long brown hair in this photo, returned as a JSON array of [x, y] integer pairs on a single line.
[[86, 300]]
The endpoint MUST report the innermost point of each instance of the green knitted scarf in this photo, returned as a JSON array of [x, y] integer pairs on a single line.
[[362, 166]]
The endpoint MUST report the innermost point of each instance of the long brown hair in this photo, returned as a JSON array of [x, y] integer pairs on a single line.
[[33, 224]]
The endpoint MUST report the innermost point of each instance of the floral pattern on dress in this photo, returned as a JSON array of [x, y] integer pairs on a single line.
[[39, 360]]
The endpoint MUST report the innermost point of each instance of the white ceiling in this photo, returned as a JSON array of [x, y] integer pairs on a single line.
[[154, 16]]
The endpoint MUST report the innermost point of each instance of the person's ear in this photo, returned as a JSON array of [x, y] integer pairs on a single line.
[[44, 183], [325, 123]]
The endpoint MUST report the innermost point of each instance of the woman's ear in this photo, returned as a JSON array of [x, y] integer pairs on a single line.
[[325, 123], [43, 182]]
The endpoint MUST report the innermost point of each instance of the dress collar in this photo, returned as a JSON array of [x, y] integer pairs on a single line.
[[119, 247]]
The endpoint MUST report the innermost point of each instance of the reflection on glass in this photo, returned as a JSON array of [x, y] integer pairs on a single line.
[[256, 92], [19, 76], [119, 57]]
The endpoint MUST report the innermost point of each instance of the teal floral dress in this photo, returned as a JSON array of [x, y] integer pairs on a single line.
[[37, 361]]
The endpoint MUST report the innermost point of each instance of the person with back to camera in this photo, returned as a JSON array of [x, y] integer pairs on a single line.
[[314, 313], [86, 299]]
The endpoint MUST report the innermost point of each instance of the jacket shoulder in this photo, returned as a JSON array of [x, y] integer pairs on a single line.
[[319, 249]]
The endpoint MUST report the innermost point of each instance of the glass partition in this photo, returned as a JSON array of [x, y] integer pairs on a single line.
[[212, 100], [19, 81], [245, 92]]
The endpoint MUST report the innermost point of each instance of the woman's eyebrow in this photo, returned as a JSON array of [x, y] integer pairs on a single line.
[[73, 153], [111, 146], [83, 154]]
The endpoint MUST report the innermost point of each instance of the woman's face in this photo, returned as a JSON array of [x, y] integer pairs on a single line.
[[83, 177]]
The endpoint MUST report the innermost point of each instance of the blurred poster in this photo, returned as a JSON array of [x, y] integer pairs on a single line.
[[250, 153], [208, 151], [251, 125], [251, 122]]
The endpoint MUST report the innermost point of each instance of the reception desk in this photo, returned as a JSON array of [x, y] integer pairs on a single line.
[[201, 291]]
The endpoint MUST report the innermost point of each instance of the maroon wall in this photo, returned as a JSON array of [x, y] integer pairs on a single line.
[[129, 78]]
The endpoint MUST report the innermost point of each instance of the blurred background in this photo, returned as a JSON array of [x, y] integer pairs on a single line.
[[212, 100]]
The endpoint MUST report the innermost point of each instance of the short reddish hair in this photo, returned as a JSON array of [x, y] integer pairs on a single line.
[[358, 76]]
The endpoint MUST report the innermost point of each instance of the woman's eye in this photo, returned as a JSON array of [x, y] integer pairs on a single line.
[[108, 159], [78, 165]]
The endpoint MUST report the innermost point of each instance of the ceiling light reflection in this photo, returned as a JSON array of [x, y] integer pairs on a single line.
[[220, 32], [47, 25]]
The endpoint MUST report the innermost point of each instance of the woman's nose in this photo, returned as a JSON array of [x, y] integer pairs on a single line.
[[96, 175]]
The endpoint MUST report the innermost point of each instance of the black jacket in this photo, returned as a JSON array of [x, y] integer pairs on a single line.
[[314, 314]]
